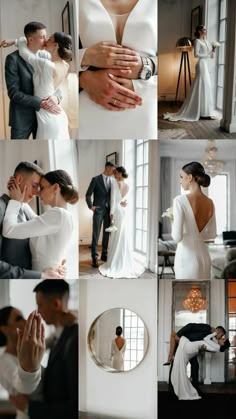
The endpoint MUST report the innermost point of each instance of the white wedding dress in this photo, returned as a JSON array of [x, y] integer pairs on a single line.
[[199, 99], [140, 34], [120, 261], [192, 259], [117, 356], [50, 126], [49, 234], [186, 350]]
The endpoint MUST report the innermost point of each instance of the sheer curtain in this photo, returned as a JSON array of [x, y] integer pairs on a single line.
[[151, 262]]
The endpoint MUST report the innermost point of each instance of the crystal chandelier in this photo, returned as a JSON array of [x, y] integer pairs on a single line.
[[211, 164], [194, 301]]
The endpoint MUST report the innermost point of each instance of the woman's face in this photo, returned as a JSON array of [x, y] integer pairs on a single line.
[[50, 44], [47, 192], [185, 180], [118, 175], [203, 31]]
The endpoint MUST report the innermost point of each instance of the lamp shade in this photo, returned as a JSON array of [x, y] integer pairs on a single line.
[[184, 43]]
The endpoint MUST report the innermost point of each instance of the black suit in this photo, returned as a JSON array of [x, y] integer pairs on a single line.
[[194, 332], [60, 380], [101, 199], [14, 254], [23, 103]]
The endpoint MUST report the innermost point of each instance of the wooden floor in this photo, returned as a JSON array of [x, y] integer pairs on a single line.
[[202, 129], [87, 271]]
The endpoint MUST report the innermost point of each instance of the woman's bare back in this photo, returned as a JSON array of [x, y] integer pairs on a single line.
[[203, 209], [119, 7]]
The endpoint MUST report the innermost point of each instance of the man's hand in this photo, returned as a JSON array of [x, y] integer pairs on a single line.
[[55, 273], [50, 104], [31, 343], [177, 339], [20, 402], [110, 55], [107, 92]]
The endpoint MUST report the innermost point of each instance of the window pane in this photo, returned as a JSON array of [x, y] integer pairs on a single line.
[[139, 219], [138, 240], [140, 154], [144, 242], [145, 197], [139, 178], [220, 98], [139, 198], [145, 175], [221, 52], [223, 9], [222, 30], [218, 193], [145, 153]]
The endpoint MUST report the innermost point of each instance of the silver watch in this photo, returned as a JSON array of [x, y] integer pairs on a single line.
[[146, 71]]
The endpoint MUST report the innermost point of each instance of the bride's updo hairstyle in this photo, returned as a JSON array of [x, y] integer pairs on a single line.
[[68, 190], [64, 42], [4, 317], [119, 331], [198, 30], [122, 170], [197, 171]]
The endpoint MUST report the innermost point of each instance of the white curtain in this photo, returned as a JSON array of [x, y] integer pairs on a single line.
[[153, 207]]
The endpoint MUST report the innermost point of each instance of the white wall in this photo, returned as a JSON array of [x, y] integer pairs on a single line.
[[129, 395], [217, 317], [50, 155], [92, 159], [45, 11]]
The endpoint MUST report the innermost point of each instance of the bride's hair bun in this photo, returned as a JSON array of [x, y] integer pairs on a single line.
[[197, 31], [64, 42], [68, 190], [122, 170], [198, 172]]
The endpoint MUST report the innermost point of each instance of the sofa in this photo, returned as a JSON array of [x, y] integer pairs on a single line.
[[224, 267]]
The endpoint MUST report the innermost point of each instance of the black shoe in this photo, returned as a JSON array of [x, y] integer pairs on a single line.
[[95, 263], [167, 363], [104, 258]]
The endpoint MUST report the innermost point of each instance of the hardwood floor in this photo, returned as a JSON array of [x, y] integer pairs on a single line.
[[202, 129]]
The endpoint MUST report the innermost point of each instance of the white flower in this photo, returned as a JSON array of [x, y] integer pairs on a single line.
[[169, 213], [215, 44], [112, 227]]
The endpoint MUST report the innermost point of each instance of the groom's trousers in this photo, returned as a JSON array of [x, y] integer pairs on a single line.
[[100, 216]]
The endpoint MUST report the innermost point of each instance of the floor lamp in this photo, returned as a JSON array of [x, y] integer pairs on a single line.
[[185, 45]]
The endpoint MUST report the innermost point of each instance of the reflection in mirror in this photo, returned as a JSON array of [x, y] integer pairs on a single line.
[[118, 340]]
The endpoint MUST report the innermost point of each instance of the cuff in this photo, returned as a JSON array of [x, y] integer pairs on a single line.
[[81, 54]]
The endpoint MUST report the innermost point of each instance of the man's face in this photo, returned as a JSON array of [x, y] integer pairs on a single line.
[[31, 181], [37, 40], [110, 170], [46, 307]]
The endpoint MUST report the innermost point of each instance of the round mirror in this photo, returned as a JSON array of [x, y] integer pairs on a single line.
[[118, 340]]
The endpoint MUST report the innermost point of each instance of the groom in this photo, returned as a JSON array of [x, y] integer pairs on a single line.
[[19, 81], [15, 254], [100, 188]]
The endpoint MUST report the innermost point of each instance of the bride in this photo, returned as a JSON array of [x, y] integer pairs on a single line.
[[51, 232], [50, 69], [186, 350], [198, 103], [118, 347], [120, 262], [194, 222]]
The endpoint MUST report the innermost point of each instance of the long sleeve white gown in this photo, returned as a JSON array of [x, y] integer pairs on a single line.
[[192, 259], [49, 234], [117, 356], [15, 380], [50, 126], [120, 261], [140, 34], [199, 100], [187, 350]]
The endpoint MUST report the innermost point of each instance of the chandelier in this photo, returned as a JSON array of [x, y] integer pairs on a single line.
[[211, 164], [194, 301]]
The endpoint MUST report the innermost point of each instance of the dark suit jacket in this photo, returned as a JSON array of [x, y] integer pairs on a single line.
[[14, 254], [23, 103], [101, 198], [195, 331], [60, 380]]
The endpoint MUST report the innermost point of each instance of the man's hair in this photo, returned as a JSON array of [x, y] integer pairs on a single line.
[[4, 316], [225, 346], [222, 329], [28, 168], [32, 27], [54, 288], [109, 164]]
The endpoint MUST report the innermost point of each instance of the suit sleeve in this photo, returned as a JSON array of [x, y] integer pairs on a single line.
[[90, 192], [194, 327], [61, 409], [14, 86], [8, 271]]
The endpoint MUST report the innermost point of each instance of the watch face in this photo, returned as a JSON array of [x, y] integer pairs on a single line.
[[146, 73]]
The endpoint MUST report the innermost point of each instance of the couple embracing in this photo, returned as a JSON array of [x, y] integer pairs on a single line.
[[109, 205], [35, 246]]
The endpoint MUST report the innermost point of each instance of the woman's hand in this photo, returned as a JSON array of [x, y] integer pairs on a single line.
[[15, 192], [127, 83], [110, 55], [7, 43], [31, 343]]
